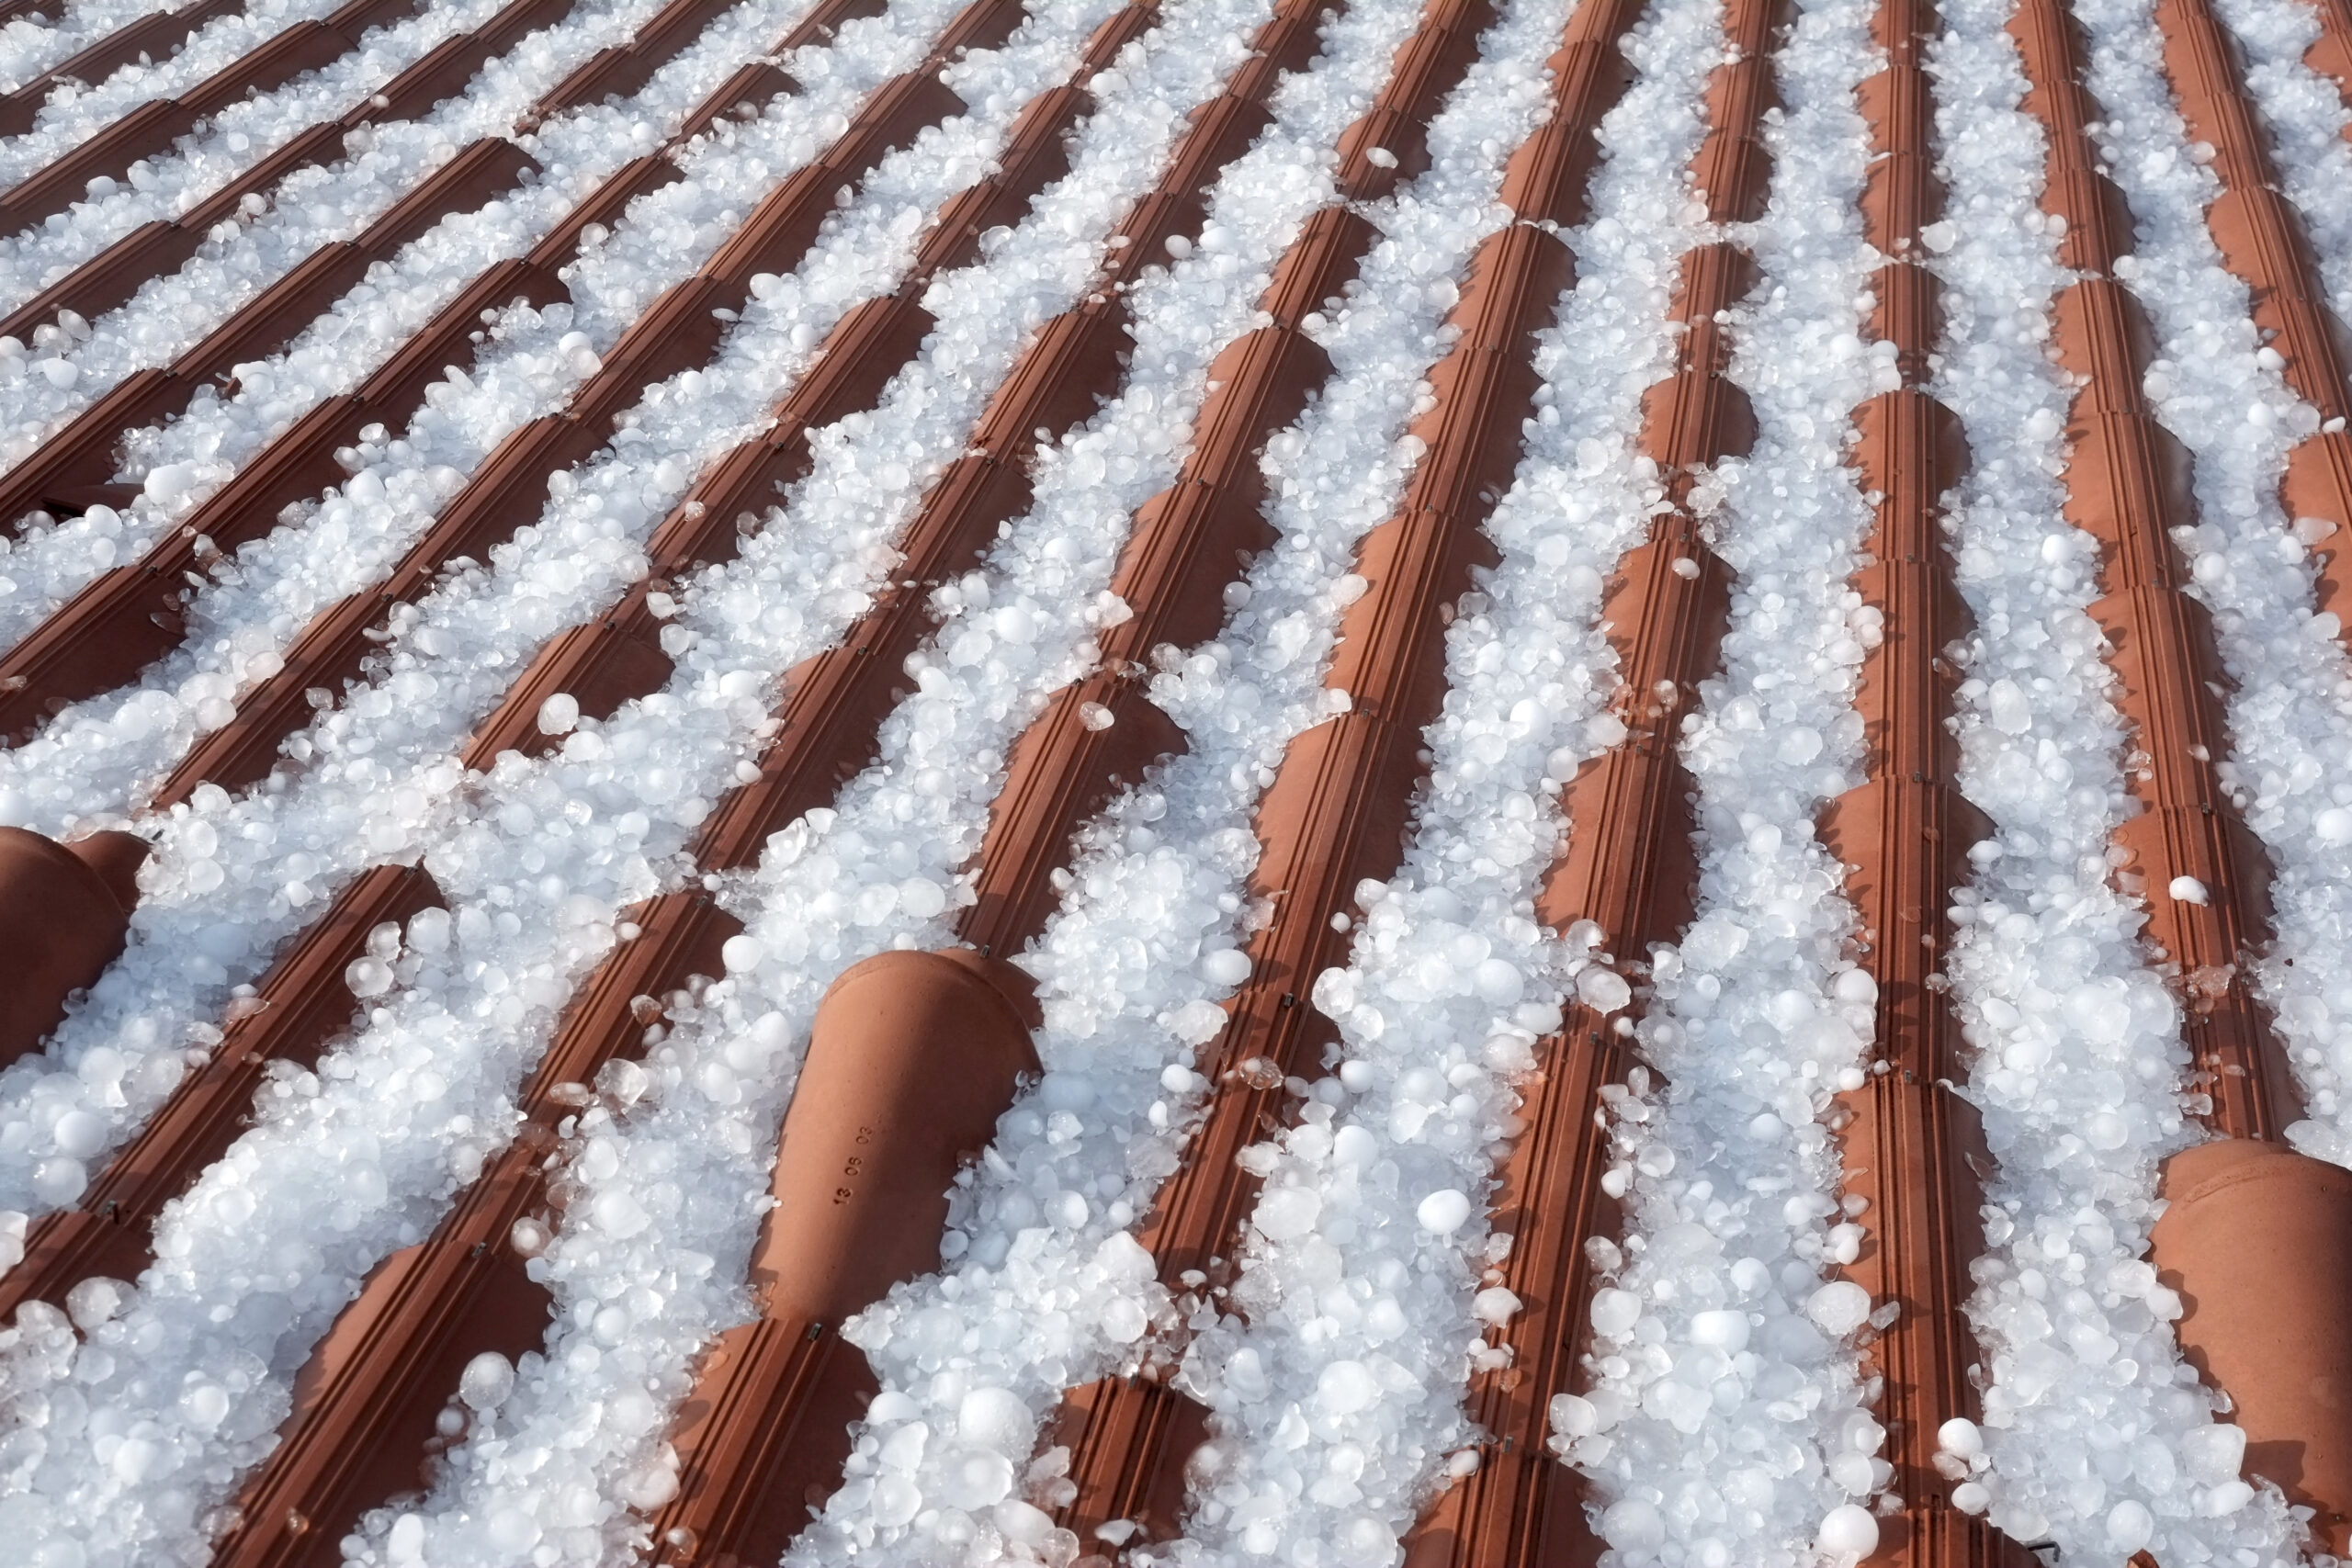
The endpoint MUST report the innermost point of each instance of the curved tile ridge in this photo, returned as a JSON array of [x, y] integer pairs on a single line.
[[1914, 1151]]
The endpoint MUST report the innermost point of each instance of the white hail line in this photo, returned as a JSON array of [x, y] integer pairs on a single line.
[[1451, 981], [2292, 743], [89, 759], [75, 113], [369, 763], [1156, 885], [1757, 1017], [168, 183], [28, 47], [2076, 1060], [721, 1080], [363, 1155]]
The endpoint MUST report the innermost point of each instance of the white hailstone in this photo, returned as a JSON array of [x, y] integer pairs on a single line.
[[1573, 1415], [559, 715], [1498, 983], [1725, 1330], [206, 1404], [2215, 1452], [1970, 1497], [59, 1181], [2334, 826], [994, 1418], [1603, 990], [1022, 1522], [1287, 1213], [79, 1133], [2187, 890], [1849, 1531], [741, 954], [368, 976], [1344, 1388], [1614, 1312], [514, 1530], [1124, 1320], [1444, 1212], [1227, 966], [94, 1301], [1839, 1307], [1632, 1524], [406, 1542], [2227, 1499], [487, 1378], [2129, 1526], [1496, 1305], [1959, 1436], [620, 1215]]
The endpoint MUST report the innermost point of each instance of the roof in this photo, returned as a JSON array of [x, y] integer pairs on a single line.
[[1614, 710]]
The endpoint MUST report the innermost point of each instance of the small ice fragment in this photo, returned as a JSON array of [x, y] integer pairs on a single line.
[[1380, 157], [1849, 1531], [1839, 1307], [1444, 1212], [2187, 890]]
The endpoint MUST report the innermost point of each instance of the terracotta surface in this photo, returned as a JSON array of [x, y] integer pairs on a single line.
[[911, 1059], [2259, 1242], [64, 912]]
